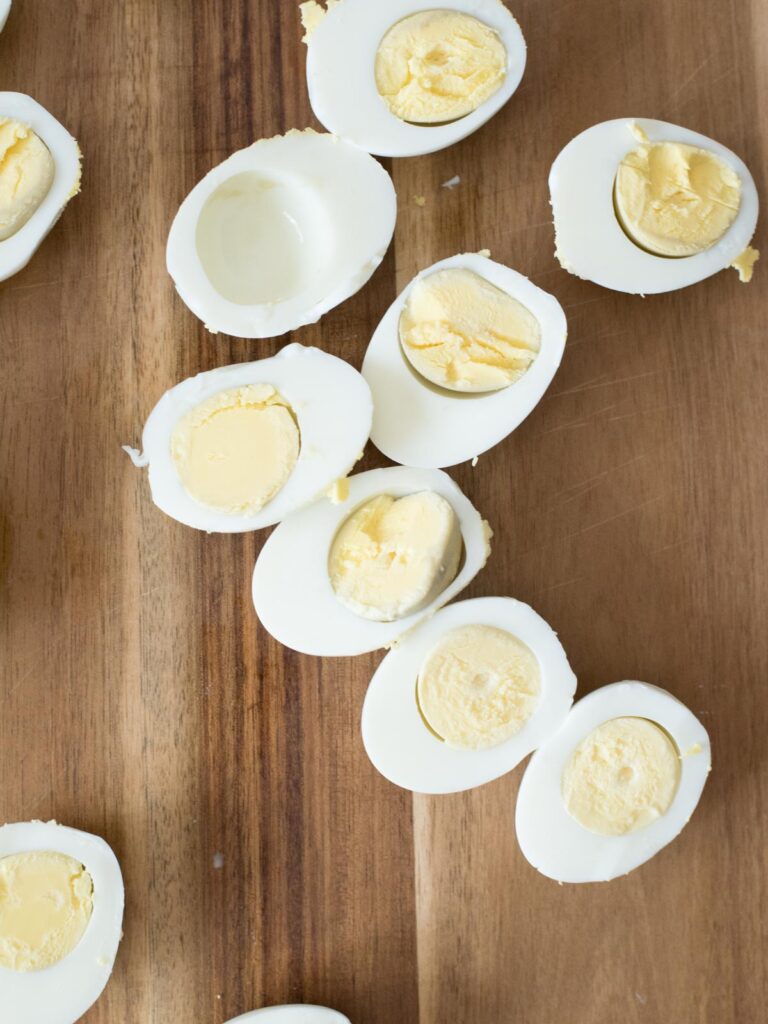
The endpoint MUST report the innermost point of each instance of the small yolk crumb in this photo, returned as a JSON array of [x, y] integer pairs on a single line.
[[745, 264], [26, 175]]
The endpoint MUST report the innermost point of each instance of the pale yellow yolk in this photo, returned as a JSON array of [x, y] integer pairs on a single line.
[[622, 777], [26, 175], [478, 687], [676, 200], [312, 13], [235, 451], [463, 333], [438, 66], [745, 264], [393, 556], [46, 901]]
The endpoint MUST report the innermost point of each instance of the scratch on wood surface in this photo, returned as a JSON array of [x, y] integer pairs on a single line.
[[600, 382], [691, 77], [584, 486], [618, 515]]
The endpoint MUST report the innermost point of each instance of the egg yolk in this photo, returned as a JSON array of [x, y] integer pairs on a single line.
[[478, 687], [463, 333], [622, 777], [438, 66], [235, 451], [26, 175], [394, 556], [676, 200], [46, 901]]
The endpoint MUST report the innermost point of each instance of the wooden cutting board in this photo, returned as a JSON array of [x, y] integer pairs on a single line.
[[140, 698]]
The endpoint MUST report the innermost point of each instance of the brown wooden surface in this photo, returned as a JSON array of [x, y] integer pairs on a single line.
[[141, 700]]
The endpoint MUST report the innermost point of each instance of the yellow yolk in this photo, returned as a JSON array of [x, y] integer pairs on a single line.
[[676, 200], [26, 175], [438, 66], [745, 264], [622, 777], [393, 556], [312, 13], [478, 687], [46, 901], [463, 333], [235, 451]]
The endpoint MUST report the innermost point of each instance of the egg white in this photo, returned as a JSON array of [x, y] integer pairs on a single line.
[[357, 200], [5, 10], [293, 1014], [332, 404], [61, 994], [399, 743], [18, 250], [418, 424], [589, 240], [292, 591], [553, 841], [341, 58]]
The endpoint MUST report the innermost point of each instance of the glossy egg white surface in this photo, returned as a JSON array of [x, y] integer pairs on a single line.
[[418, 424], [5, 10], [341, 60], [294, 1014], [332, 404], [553, 841], [396, 738], [292, 592], [18, 250], [325, 219], [589, 240], [61, 994]]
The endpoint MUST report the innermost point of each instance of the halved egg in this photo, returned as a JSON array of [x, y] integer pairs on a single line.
[[644, 206], [294, 1014], [39, 174], [463, 698], [5, 10], [459, 360], [240, 447], [404, 78], [344, 579], [614, 785], [280, 233], [61, 913]]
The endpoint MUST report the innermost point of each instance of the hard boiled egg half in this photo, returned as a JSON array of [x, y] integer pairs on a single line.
[[644, 206], [39, 174], [61, 913], [280, 233], [240, 447], [465, 696], [5, 10], [404, 78], [460, 359], [295, 1014], [614, 785], [337, 580]]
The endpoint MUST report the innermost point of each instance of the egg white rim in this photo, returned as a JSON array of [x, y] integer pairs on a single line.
[[55, 994], [349, 104], [5, 10], [418, 425], [293, 1013], [292, 592], [589, 240], [265, 320], [395, 736], [18, 250], [331, 442], [553, 841]]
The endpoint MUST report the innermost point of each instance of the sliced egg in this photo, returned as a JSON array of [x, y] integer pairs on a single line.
[[418, 422], [5, 10], [292, 589], [63, 991], [346, 43], [614, 785], [240, 447], [294, 1014], [52, 175], [280, 233], [589, 237], [479, 692]]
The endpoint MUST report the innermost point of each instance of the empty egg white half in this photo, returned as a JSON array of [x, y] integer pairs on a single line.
[[292, 592], [5, 10], [589, 239], [396, 737], [280, 233], [418, 424], [62, 993], [332, 406], [554, 842], [18, 250], [294, 1014], [341, 60]]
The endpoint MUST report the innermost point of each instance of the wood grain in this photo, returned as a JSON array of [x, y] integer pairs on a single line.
[[140, 698]]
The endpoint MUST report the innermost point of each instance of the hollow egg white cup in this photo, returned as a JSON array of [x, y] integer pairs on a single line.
[[296, 1013]]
